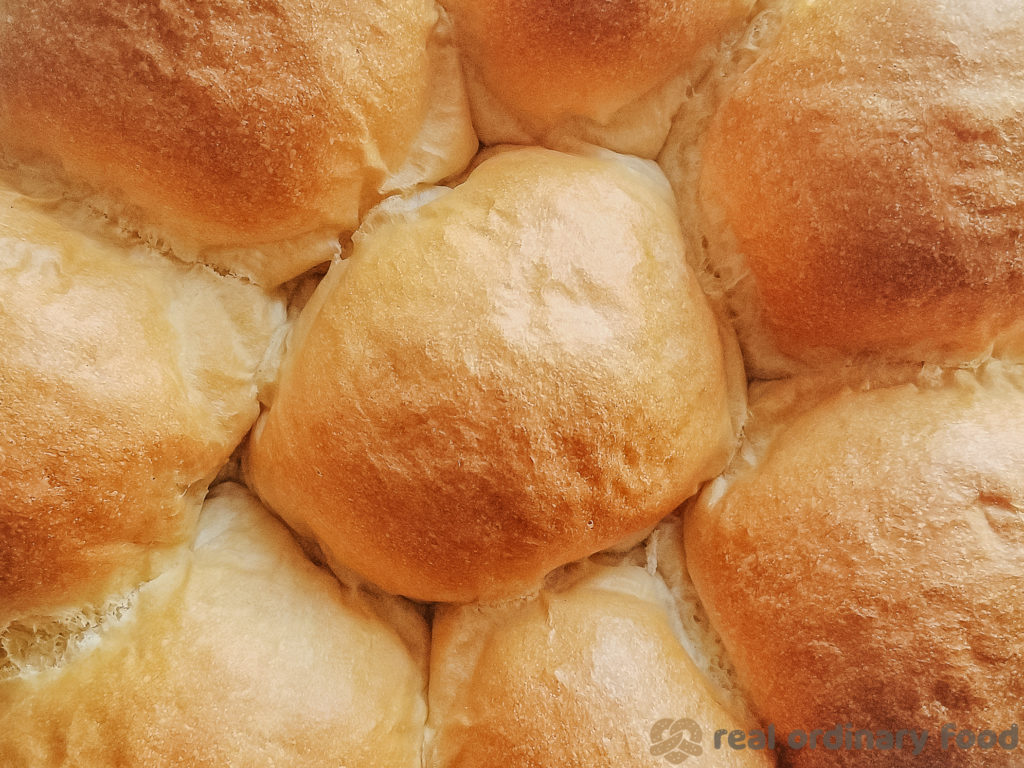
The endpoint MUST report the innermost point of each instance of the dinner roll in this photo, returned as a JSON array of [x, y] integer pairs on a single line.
[[863, 561], [245, 654], [860, 185], [247, 135], [126, 381], [611, 73], [501, 378], [589, 672]]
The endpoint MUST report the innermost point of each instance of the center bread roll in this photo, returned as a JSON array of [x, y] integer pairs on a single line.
[[514, 375]]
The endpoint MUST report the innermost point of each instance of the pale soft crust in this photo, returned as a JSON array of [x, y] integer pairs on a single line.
[[553, 71], [513, 376], [244, 655], [126, 380], [575, 678], [862, 185], [865, 562], [233, 124]]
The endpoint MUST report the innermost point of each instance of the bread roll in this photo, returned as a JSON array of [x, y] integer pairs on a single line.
[[514, 375], [860, 185], [864, 561], [242, 654], [579, 676], [247, 135], [126, 381], [611, 73]]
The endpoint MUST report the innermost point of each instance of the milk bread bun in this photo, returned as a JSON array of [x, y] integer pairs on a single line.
[[858, 185], [246, 135], [610, 73], [126, 381], [513, 375], [863, 560], [499, 393], [243, 654], [585, 673]]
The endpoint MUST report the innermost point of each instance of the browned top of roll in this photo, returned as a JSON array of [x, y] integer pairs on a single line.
[[865, 565], [546, 62], [243, 654], [516, 374], [867, 174], [126, 380], [584, 675], [227, 123]]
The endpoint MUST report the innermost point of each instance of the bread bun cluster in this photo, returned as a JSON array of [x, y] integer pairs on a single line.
[[544, 384]]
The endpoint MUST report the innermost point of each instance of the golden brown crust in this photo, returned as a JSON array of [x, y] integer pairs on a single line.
[[243, 655], [516, 375], [577, 677], [865, 565], [550, 62], [865, 175], [125, 382], [227, 123]]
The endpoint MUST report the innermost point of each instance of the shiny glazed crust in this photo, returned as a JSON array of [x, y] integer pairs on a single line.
[[491, 379]]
